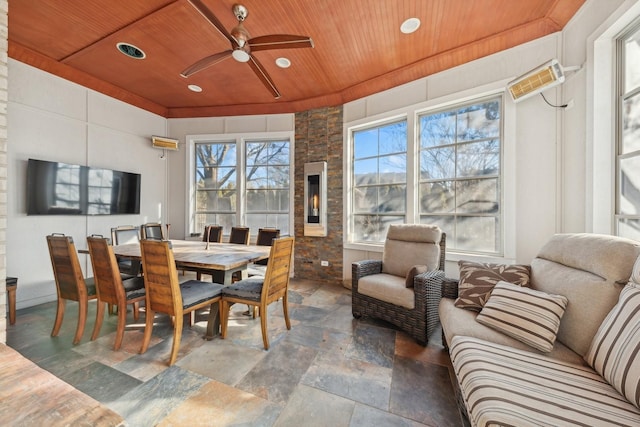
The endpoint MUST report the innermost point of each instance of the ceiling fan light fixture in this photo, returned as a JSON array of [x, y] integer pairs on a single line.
[[410, 25], [283, 62], [130, 50], [240, 55], [194, 88]]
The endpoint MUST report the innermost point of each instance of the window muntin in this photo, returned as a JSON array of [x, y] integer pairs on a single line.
[[379, 171], [628, 153], [262, 171], [460, 174]]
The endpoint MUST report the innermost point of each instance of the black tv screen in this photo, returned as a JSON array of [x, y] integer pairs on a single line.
[[55, 188]]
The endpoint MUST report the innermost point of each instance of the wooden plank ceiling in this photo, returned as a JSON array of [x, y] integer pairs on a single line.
[[359, 49]]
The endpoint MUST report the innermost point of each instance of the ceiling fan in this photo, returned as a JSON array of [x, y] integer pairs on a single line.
[[242, 45]]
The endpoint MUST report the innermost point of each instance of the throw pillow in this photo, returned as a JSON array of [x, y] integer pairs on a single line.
[[525, 314], [478, 279], [615, 350], [413, 272]]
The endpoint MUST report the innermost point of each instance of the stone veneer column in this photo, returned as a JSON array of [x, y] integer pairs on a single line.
[[319, 138], [4, 73]]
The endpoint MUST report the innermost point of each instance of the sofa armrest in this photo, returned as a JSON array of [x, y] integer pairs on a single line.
[[450, 288], [364, 268]]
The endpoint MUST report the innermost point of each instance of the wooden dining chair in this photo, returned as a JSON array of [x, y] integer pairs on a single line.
[[110, 287], [239, 235], [214, 233], [166, 295], [262, 291], [70, 282], [152, 231], [265, 238], [122, 235]]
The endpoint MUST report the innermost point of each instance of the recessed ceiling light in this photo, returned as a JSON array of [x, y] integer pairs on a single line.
[[130, 50], [283, 62], [410, 25], [195, 88]]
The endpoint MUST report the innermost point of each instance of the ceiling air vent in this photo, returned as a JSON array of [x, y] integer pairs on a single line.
[[131, 51]]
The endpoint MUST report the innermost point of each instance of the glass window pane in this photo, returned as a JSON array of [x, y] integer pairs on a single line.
[[392, 198], [437, 129], [393, 138], [221, 200], [477, 196], [629, 228], [479, 121], [279, 153], [630, 186], [256, 200], [446, 223], [393, 169], [279, 177], [365, 199], [373, 228], [479, 158], [366, 171], [437, 197], [477, 234], [631, 124], [437, 163], [632, 61], [365, 143], [257, 177]]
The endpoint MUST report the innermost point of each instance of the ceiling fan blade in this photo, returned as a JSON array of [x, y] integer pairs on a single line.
[[209, 16], [279, 41], [263, 76], [206, 62]]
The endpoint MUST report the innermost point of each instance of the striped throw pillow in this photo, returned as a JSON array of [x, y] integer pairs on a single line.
[[615, 350], [525, 314]]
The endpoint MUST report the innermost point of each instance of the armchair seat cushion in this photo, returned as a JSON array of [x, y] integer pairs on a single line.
[[195, 292], [388, 288], [250, 289]]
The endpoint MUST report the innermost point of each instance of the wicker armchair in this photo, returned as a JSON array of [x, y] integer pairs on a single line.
[[379, 287]]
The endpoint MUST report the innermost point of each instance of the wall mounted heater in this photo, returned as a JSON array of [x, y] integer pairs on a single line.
[[164, 143], [535, 81]]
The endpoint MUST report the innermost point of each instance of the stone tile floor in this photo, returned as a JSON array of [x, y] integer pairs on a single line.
[[328, 370]]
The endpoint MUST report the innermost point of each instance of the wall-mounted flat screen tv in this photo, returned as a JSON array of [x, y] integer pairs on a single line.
[[55, 188]]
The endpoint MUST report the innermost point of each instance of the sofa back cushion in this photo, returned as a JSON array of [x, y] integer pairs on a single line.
[[588, 269], [407, 245]]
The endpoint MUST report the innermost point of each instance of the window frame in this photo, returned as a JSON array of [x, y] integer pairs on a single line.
[[411, 112], [240, 140]]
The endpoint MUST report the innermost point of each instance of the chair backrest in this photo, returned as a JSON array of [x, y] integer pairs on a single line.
[[105, 271], [215, 233], [66, 268], [266, 236], [152, 231], [160, 277], [239, 235], [124, 234], [276, 280], [407, 245]]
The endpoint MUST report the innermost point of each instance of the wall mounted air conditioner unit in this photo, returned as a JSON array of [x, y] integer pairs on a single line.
[[535, 81], [164, 143]]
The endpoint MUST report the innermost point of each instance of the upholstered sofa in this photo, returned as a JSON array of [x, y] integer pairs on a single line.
[[513, 368]]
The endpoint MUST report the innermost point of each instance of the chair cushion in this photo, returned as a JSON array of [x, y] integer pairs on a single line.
[[614, 351], [249, 289], [388, 288], [194, 292], [505, 386], [415, 270], [530, 316], [134, 287], [478, 279], [91, 286], [407, 245]]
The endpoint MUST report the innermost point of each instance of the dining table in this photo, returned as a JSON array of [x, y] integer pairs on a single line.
[[221, 260]]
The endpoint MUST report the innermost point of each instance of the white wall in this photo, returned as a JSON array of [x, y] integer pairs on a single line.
[[50, 118]]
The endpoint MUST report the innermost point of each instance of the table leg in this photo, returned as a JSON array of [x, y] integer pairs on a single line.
[[213, 322]]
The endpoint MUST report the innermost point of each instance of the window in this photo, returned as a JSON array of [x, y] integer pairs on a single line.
[[242, 182], [435, 165], [380, 180], [459, 182], [628, 151]]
